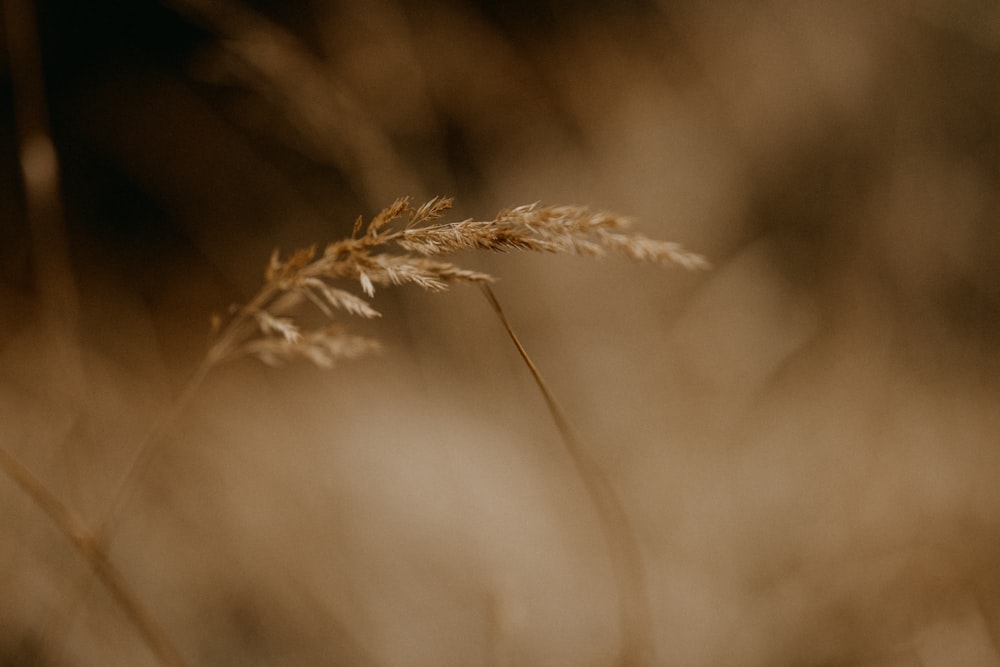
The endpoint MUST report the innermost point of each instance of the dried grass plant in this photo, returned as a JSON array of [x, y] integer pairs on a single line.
[[810, 433], [403, 244]]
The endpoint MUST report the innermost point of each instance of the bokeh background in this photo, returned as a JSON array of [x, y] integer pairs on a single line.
[[805, 437]]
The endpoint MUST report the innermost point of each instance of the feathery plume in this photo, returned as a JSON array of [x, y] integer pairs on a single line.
[[403, 245]]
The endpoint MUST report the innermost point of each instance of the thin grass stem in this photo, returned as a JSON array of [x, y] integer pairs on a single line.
[[626, 558]]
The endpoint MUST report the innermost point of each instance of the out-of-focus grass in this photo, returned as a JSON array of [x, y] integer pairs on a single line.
[[804, 438]]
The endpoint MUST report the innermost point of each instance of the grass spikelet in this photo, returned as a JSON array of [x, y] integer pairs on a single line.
[[430, 211], [283, 326], [337, 298], [387, 215], [322, 347], [643, 249]]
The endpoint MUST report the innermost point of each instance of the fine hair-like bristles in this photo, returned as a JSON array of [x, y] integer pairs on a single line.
[[403, 244]]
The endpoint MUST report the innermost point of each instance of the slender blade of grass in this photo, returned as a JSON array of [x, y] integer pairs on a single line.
[[626, 558]]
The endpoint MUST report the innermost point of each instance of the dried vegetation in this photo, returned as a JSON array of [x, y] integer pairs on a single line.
[[401, 246], [788, 460]]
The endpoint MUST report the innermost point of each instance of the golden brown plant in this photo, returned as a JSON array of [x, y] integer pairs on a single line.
[[401, 245]]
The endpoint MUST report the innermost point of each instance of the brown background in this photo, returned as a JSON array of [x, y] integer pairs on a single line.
[[805, 437]]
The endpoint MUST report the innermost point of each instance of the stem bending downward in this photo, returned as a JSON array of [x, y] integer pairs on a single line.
[[634, 615]]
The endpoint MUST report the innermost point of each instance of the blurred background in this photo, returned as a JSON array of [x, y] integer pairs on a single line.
[[805, 438]]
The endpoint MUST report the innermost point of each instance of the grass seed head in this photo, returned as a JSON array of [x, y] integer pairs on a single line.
[[401, 245]]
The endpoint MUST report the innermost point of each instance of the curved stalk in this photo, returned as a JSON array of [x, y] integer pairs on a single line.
[[623, 547]]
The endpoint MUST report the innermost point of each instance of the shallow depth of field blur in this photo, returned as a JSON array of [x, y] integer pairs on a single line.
[[806, 438]]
